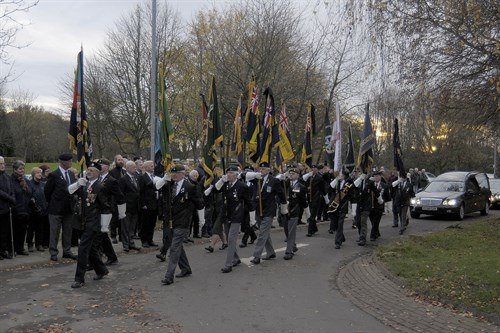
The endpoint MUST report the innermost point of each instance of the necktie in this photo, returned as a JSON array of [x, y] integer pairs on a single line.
[[174, 189], [133, 181], [67, 178]]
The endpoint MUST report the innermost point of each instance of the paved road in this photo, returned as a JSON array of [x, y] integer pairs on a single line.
[[300, 295]]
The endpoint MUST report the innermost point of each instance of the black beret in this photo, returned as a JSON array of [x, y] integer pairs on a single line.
[[264, 165], [320, 167], [177, 168], [66, 157], [232, 167], [104, 161], [377, 173], [293, 169], [249, 168], [95, 165]]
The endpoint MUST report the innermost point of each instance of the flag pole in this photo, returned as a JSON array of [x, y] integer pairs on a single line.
[[153, 79]]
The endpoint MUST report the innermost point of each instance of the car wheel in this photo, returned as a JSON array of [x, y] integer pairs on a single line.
[[461, 212], [415, 215], [486, 209]]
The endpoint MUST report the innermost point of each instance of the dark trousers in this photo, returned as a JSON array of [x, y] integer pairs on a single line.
[[339, 234], [20, 227], [248, 231], [103, 242], [114, 226], [127, 230], [375, 217], [177, 253], [312, 226], [149, 218], [35, 229], [88, 253], [167, 238]]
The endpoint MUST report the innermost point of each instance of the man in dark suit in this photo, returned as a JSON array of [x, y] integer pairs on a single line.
[[317, 191], [149, 204], [115, 205], [237, 202], [185, 199], [404, 192], [378, 205], [59, 207], [93, 204], [368, 195], [130, 187], [270, 188], [117, 172]]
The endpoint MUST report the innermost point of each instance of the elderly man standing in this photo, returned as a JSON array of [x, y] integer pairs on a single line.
[[59, 207], [130, 187], [149, 204], [183, 199]]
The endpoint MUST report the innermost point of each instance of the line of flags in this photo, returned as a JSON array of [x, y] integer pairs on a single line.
[[252, 136]]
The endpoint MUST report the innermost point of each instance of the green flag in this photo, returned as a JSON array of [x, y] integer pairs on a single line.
[[166, 129]]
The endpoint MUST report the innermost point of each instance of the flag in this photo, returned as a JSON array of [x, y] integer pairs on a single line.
[[310, 131], [165, 126], [328, 140], [270, 133], [284, 153], [349, 161], [237, 143], [337, 138], [214, 136], [78, 134], [398, 155], [365, 157], [252, 121]]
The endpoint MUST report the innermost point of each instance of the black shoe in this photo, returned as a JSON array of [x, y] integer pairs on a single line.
[[196, 236], [251, 241], [113, 240], [183, 274], [288, 256], [153, 244], [161, 256], [236, 263], [70, 256], [337, 246], [135, 248], [5, 255], [31, 248], [189, 240], [23, 252], [77, 284], [209, 249], [354, 226], [401, 232], [395, 225], [243, 245], [309, 234], [145, 245], [126, 249], [223, 247], [295, 249], [226, 269], [135, 237], [100, 276], [206, 236], [53, 258], [272, 256], [362, 243], [166, 281], [255, 261], [330, 231], [373, 239], [111, 262]]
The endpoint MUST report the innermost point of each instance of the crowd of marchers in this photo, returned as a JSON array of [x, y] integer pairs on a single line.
[[121, 201]]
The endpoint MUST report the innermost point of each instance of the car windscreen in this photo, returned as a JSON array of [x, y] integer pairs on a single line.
[[495, 185], [441, 186]]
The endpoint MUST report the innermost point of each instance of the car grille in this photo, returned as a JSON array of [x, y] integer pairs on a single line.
[[431, 202]]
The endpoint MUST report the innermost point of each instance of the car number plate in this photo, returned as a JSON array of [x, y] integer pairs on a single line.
[[429, 208]]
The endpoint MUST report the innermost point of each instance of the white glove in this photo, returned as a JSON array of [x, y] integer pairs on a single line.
[[372, 179], [327, 199], [334, 183], [252, 218], [287, 175], [307, 211], [280, 177], [354, 208], [219, 184], [105, 219], [396, 182], [307, 176], [358, 181], [162, 181], [201, 216], [284, 209], [156, 179], [121, 211], [362, 176], [250, 175], [82, 181], [380, 200], [208, 190], [73, 187], [224, 178]]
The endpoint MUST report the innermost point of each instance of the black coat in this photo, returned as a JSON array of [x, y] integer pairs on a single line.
[[7, 197], [94, 204], [403, 193], [297, 198], [237, 201], [368, 195], [131, 193], [112, 194], [183, 205], [149, 196], [56, 193], [270, 189]]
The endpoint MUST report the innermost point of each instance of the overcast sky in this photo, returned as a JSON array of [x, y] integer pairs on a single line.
[[58, 28]]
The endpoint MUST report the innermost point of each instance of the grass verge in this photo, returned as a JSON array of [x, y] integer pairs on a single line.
[[459, 267]]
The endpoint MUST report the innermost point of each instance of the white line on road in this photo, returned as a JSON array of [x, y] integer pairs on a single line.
[[247, 262]]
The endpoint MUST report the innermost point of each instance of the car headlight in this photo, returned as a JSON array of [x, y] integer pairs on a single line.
[[450, 202], [415, 201]]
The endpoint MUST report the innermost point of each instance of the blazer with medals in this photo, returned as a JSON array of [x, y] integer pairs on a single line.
[[384, 192], [112, 194], [368, 195], [297, 198], [270, 188], [237, 201], [131, 192], [349, 193], [57, 194], [93, 205], [182, 205]]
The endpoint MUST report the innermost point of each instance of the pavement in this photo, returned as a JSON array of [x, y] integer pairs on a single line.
[[361, 279]]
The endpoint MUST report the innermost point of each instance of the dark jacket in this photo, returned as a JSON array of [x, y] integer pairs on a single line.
[[404, 192], [131, 193], [237, 201], [183, 205], [297, 198], [37, 189], [23, 198], [94, 204], [270, 189], [112, 194], [56, 193], [348, 192], [149, 195], [368, 195], [7, 197], [117, 172]]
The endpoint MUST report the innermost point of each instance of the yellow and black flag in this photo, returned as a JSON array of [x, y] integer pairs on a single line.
[[307, 150], [365, 157], [78, 134], [270, 135], [236, 149], [165, 128], [214, 138], [252, 122], [398, 155]]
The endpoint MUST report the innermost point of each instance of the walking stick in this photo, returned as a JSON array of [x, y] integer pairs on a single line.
[[11, 232]]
